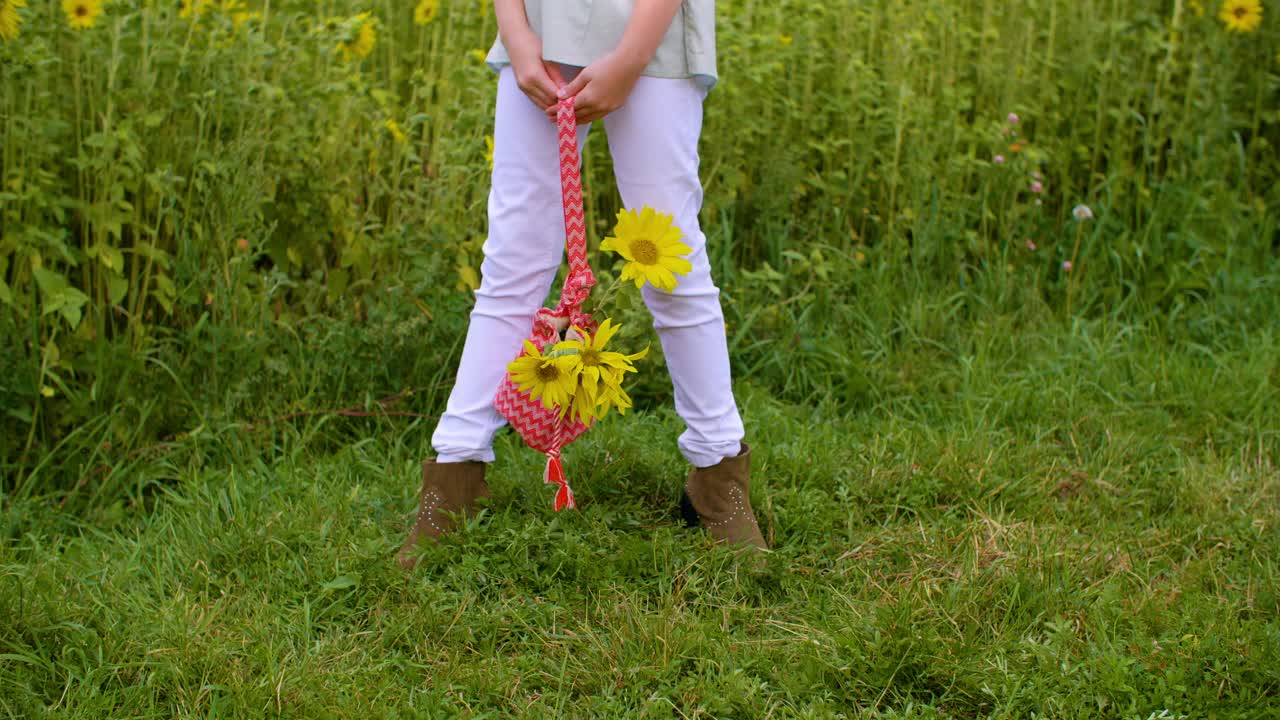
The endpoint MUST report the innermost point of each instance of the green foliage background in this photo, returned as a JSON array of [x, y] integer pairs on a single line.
[[169, 178]]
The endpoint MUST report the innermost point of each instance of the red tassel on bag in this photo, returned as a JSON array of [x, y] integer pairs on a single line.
[[555, 476]]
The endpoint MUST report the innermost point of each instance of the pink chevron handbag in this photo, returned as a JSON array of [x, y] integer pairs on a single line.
[[543, 429]]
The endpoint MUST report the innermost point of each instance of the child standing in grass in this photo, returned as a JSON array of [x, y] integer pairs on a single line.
[[643, 67]]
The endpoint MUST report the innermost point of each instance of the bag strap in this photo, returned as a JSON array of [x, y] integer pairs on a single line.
[[577, 285], [548, 322]]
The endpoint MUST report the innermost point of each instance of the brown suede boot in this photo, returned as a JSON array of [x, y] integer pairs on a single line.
[[445, 486], [717, 498]]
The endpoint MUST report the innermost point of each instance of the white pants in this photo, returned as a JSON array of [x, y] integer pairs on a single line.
[[653, 139]]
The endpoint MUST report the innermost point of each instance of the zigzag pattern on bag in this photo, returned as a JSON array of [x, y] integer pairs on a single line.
[[542, 428]]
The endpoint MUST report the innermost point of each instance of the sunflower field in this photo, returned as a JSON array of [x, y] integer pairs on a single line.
[[1002, 282]]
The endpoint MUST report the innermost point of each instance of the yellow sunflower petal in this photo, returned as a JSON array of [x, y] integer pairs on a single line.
[[640, 355], [614, 398], [676, 265], [604, 334], [675, 248], [589, 383], [583, 408], [623, 248], [662, 278], [632, 272], [672, 235]]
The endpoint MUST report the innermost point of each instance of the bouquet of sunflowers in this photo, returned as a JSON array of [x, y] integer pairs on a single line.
[[579, 376]]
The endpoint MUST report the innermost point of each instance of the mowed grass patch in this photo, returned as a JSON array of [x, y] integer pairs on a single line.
[[1081, 522]]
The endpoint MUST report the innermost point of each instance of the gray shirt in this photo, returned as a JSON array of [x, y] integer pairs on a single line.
[[577, 32]]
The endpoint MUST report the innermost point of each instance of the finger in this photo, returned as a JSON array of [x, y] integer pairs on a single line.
[[598, 109], [596, 113], [549, 92], [542, 94], [536, 96], [553, 72], [582, 106], [574, 87], [586, 109], [541, 90]]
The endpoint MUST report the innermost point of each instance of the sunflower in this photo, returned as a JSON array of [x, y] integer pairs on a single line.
[[550, 378], [598, 364], [1241, 15], [651, 245], [193, 8], [583, 406], [10, 19], [612, 397], [426, 11], [239, 14], [597, 369], [365, 38], [397, 133], [82, 14]]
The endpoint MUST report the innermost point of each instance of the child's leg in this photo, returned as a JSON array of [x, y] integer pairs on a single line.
[[521, 255], [654, 142]]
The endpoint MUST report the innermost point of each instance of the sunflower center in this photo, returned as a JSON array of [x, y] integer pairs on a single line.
[[646, 251], [82, 10], [548, 372], [1240, 13], [591, 358]]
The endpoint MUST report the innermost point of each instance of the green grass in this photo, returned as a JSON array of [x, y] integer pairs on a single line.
[[1063, 521]]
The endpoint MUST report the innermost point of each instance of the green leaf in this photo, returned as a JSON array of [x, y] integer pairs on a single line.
[[6, 295], [155, 254], [165, 293], [339, 279], [66, 301], [49, 282], [109, 256], [52, 354], [56, 295], [342, 582], [117, 287]]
